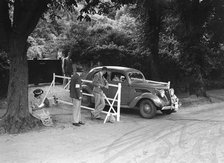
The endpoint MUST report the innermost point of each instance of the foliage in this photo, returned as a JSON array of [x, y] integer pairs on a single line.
[[119, 36], [214, 34], [88, 39], [193, 34]]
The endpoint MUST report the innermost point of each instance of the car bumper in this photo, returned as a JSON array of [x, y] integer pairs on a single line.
[[175, 106]]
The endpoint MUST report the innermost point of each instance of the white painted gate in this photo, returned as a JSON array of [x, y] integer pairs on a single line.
[[110, 101]]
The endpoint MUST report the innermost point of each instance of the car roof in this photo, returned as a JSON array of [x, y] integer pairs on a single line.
[[118, 68]]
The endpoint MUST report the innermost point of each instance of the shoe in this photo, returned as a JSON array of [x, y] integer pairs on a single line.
[[81, 123], [75, 124], [99, 118]]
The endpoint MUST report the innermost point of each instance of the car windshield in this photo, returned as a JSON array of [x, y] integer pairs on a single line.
[[136, 76]]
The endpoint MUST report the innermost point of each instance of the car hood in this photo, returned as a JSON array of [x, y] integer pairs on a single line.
[[148, 84]]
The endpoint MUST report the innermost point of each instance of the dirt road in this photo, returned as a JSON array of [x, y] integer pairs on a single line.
[[194, 134]]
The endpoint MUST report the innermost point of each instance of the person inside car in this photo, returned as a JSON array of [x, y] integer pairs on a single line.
[[115, 78]]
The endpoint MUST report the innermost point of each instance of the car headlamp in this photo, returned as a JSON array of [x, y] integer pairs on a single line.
[[171, 91], [162, 93]]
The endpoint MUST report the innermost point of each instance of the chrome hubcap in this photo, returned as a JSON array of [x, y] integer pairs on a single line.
[[147, 108]]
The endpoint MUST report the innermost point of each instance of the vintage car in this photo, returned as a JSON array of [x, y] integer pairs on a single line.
[[136, 92]]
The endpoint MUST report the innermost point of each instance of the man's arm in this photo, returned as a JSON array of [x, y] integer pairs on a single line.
[[105, 83], [78, 87], [35, 106]]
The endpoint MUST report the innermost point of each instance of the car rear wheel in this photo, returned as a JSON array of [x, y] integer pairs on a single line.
[[167, 111], [147, 109]]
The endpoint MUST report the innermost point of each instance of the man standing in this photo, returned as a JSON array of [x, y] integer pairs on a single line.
[[76, 95], [99, 82], [66, 67]]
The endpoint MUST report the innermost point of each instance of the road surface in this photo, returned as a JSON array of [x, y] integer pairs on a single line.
[[192, 135]]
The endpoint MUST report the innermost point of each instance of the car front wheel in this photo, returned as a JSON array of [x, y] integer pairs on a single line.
[[147, 109]]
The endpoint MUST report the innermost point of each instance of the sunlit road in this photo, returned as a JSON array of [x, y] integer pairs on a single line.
[[193, 134]]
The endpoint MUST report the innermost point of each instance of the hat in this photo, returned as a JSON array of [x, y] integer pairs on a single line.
[[38, 92]]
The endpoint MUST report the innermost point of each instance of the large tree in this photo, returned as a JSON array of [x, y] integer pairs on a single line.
[[18, 19]]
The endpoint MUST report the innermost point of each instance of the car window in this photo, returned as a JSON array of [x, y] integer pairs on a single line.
[[117, 77], [136, 76]]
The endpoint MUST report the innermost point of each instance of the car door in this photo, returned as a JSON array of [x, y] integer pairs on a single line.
[[119, 77]]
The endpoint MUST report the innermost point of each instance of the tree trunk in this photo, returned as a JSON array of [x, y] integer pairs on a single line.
[[155, 53], [197, 85], [154, 71], [153, 29], [26, 15], [17, 118]]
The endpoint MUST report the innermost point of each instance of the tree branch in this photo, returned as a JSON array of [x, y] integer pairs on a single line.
[[27, 14]]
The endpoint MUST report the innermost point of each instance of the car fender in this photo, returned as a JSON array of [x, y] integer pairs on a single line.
[[155, 99]]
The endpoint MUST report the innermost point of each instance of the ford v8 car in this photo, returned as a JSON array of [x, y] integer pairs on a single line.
[[136, 92]]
